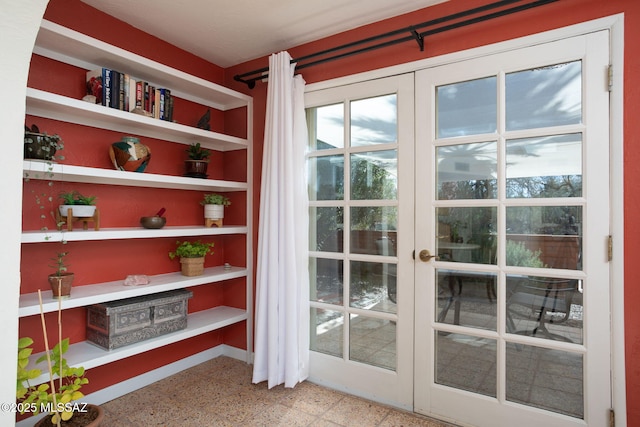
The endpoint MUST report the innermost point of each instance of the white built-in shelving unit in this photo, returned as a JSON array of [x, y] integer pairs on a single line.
[[68, 46]]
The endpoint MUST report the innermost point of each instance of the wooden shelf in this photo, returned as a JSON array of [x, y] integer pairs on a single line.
[[58, 107], [43, 170], [90, 356], [63, 44], [128, 233], [111, 291]]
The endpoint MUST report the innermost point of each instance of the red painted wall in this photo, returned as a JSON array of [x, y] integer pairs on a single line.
[[101, 261], [548, 17], [77, 15]]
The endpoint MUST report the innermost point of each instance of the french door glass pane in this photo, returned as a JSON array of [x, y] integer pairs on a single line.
[[327, 178], [374, 121], [371, 224], [372, 341], [327, 331], [545, 378], [544, 236], [373, 286], [467, 234], [549, 166], [325, 280], [466, 362], [374, 175], [467, 171], [326, 232], [544, 96], [474, 100], [466, 298], [545, 307], [329, 128]]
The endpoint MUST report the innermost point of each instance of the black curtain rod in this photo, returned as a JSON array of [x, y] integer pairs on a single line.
[[415, 35]]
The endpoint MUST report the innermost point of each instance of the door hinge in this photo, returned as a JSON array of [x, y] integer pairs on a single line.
[[610, 248], [612, 418], [610, 78]]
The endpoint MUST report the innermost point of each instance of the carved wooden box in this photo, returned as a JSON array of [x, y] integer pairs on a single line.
[[115, 324]]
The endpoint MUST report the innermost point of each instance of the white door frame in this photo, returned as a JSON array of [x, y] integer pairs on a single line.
[[615, 24]]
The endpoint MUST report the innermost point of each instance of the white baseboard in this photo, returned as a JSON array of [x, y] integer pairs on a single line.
[[132, 384]]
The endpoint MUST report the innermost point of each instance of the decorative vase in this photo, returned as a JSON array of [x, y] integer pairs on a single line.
[[61, 284], [213, 214], [129, 154], [91, 418], [196, 168], [192, 266]]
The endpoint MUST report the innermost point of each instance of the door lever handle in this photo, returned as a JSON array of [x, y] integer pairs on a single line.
[[425, 256]]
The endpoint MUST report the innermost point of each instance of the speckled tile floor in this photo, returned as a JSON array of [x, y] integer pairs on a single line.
[[220, 393]]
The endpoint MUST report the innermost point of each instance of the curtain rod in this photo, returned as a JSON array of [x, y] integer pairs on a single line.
[[262, 73]]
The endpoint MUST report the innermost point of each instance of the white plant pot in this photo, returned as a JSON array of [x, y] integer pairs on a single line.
[[214, 211], [79, 211]]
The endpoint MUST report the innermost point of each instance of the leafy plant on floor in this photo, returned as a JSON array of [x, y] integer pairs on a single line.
[[56, 398]]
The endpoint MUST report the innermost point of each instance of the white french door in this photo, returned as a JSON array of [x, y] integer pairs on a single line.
[[360, 166], [512, 201]]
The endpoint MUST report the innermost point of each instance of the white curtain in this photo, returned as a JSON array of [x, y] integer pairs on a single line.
[[282, 295]]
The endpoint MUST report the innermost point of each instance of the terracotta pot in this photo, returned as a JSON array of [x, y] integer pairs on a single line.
[[61, 285], [91, 418], [192, 266], [196, 168]]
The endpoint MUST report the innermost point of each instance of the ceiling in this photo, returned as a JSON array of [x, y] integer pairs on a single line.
[[227, 33]]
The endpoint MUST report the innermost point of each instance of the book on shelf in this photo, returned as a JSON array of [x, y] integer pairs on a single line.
[[139, 94], [107, 82], [131, 93], [125, 92], [115, 90]]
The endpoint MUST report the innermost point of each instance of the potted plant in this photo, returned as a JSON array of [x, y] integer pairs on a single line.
[[214, 208], [81, 206], [196, 165], [38, 145], [61, 280], [59, 396], [191, 256]]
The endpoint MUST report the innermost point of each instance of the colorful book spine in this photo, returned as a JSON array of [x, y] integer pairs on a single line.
[[139, 94], [108, 89], [169, 106], [121, 91], [131, 94], [115, 90]]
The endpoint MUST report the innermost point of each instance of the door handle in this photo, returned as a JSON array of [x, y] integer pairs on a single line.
[[425, 256]]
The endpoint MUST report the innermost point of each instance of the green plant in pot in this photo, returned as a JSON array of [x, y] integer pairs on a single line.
[[191, 256], [62, 280], [80, 205], [58, 394], [214, 208], [39, 145], [198, 161]]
